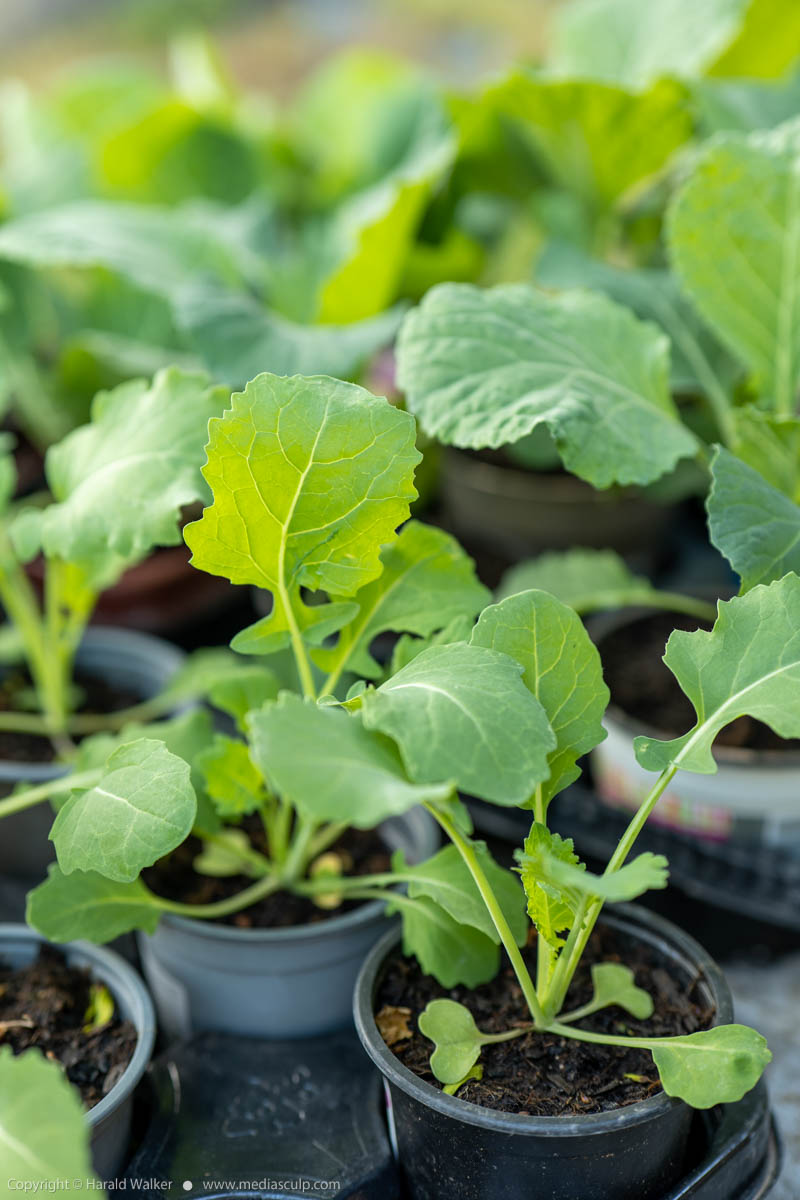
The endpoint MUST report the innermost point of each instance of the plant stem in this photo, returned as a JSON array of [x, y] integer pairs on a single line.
[[296, 860], [325, 837], [544, 952], [606, 1039], [470, 859], [571, 954], [43, 791], [221, 908]]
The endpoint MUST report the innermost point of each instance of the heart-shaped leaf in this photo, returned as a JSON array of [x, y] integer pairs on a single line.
[[458, 1040]]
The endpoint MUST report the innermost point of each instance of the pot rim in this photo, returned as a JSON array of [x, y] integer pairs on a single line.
[[741, 757], [392, 1069], [102, 638], [119, 976]]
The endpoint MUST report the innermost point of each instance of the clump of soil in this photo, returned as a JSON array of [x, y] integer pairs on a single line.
[[174, 877], [98, 697], [50, 999], [541, 1074], [646, 690]]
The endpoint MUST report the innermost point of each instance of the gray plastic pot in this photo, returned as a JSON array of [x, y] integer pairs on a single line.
[[449, 1147], [110, 1120], [520, 512], [136, 662], [277, 983]]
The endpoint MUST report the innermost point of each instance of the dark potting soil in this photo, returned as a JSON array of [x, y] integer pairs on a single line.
[[646, 690], [364, 853], [540, 1074], [52, 999], [98, 697]]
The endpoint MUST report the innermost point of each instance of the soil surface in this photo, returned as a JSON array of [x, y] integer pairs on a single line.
[[98, 697], [646, 690], [52, 999], [541, 1074], [364, 853]]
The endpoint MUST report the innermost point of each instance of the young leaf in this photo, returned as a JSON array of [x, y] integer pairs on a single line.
[[120, 482], [462, 713], [230, 777], [87, 905], [550, 907], [427, 581], [223, 856], [614, 984], [586, 580], [44, 1138], [749, 663], [733, 227], [754, 525], [486, 368], [561, 668], [453, 953], [143, 806], [327, 764], [446, 879], [770, 444], [243, 690], [474, 1073], [309, 477], [458, 1040], [714, 1066], [407, 648], [597, 139]]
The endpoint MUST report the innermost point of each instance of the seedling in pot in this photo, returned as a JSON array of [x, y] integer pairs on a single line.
[[310, 480]]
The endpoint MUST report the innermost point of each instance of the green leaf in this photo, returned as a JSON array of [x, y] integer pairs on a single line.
[[100, 1009], [458, 1040], [586, 580], [445, 878], [237, 337], [597, 140], [309, 478], [751, 523], [243, 690], [230, 777], [561, 668], [406, 648], [142, 807], [614, 984], [627, 42], [454, 954], [223, 857], [766, 42], [733, 227], [698, 362], [745, 104], [120, 481], [771, 445], [157, 249], [486, 368], [749, 663], [474, 1073], [462, 713], [714, 1066], [550, 907], [44, 1138], [330, 767], [87, 905], [427, 581]]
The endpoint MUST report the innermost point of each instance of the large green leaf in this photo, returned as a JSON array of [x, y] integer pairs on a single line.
[[156, 249], [627, 42], [748, 664], [754, 525], [462, 713], [330, 767], [446, 879], [310, 476], [427, 581], [485, 368], [453, 953], [120, 482], [598, 140], [44, 1138], [238, 338], [734, 231], [142, 807], [714, 1066], [87, 905], [562, 669], [698, 363]]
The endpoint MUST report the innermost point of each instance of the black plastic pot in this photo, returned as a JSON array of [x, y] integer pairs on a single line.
[[134, 661], [448, 1147]]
